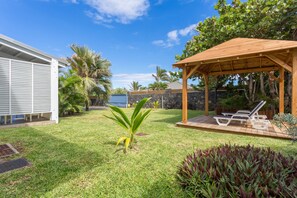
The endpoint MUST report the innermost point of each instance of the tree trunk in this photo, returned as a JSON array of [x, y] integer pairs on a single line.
[[262, 88], [87, 106], [271, 86], [289, 91], [251, 90]]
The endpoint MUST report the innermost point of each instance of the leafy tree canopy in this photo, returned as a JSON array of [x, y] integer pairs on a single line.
[[135, 86], [93, 70], [119, 91], [269, 19], [158, 86]]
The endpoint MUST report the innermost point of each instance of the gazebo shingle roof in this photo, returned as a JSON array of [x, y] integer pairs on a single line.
[[238, 47], [241, 55]]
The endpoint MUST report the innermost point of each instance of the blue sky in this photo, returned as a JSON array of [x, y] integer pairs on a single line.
[[135, 35]]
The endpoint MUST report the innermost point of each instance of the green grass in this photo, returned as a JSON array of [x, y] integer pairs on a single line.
[[77, 157]]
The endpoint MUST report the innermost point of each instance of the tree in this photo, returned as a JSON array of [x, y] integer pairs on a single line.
[[161, 74], [135, 86], [268, 19], [119, 91], [174, 76], [158, 86], [93, 70], [71, 93]]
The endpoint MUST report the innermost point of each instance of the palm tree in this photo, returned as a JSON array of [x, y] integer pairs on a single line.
[[174, 76], [94, 71], [71, 93], [161, 74], [158, 86], [135, 86]]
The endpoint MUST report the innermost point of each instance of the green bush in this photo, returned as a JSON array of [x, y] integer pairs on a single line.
[[234, 102], [287, 121], [238, 171]]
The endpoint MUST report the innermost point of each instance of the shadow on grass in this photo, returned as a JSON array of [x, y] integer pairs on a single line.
[[54, 161], [163, 188]]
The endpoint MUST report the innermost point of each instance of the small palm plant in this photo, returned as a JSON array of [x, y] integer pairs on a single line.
[[130, 125], [156, 104]]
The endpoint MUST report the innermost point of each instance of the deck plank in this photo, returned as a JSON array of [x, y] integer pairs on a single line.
[[208, 123]]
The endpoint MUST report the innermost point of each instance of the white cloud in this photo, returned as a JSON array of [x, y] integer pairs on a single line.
[[123, 80], [123, 11], [187, 30], [161, 43], [173, 36], [153, 65]]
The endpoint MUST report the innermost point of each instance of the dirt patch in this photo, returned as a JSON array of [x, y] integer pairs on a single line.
[[7, 150]]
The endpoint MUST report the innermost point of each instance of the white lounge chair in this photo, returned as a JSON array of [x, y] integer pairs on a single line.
[[243, 111], [225, 120]]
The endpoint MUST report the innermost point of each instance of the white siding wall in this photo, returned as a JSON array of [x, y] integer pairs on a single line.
[[28, 86], [42, 88], [4, 87], [21, 87]]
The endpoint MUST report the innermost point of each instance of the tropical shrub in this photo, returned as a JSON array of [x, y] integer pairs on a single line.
[[287, 121], [235, 102], [238, 171], [71, 93], [130, 125]]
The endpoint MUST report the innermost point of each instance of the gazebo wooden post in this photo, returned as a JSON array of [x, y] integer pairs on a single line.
[[281, 90], [206, 94], [185, 97], [294, 83]]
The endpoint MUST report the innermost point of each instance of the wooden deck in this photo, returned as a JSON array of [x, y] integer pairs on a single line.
[[209, 124]]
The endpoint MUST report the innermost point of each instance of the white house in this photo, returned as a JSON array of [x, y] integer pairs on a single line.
[[28, 81]]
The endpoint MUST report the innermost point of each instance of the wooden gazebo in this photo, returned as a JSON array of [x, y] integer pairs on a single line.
[[243, 55]]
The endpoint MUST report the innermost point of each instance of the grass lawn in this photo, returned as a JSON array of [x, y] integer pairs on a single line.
[[77, 157]]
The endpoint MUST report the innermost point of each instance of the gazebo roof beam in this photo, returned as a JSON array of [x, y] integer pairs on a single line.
[[249, 70], [279, 62], [193, 70], [221, 60]]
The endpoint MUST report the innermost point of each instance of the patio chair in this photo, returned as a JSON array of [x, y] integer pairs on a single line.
[[225, 120], [245, 111]]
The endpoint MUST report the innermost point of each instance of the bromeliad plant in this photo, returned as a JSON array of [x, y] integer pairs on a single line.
[[132, 124]]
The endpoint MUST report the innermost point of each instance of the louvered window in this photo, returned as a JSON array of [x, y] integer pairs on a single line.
[[25, 87], [4, 87], [21, 87], [42, 88]]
